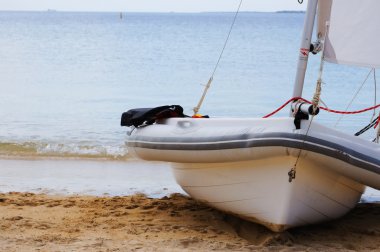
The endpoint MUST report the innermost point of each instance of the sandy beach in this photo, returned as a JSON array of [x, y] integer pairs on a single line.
[[38, 222], [95, 205]]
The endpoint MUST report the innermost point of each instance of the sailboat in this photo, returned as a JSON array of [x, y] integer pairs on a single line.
[[278, 172]]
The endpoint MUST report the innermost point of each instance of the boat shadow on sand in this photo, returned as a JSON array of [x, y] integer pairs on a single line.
[[358, 230]]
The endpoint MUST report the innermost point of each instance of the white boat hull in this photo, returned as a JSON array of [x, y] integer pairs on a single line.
[[241, 166], [259, 191]]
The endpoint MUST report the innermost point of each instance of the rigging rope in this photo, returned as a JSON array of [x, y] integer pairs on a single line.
[[197, 108], [293, 171], [315, 102], [317, 95], [323, 108], [370, 125], [374, 123], [354, 97]]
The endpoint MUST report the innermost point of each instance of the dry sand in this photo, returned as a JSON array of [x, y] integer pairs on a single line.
[[38, 222]]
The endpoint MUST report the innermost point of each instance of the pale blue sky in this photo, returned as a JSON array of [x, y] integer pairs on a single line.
[[152, 5]]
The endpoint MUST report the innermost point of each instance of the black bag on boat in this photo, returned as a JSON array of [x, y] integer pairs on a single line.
[[140, 116]]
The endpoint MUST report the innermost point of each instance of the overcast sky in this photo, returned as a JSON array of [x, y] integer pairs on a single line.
[[152, 5]]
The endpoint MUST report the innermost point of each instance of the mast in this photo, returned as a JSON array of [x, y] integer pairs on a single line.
[[305, 47]]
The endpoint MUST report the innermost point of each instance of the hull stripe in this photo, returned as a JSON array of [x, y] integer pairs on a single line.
[[243, 141]]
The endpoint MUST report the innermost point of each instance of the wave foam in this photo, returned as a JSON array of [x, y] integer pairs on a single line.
[[55, 149]]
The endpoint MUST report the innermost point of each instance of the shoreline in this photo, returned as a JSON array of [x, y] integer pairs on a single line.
[[107, 205], [175, 223], [88, 176]]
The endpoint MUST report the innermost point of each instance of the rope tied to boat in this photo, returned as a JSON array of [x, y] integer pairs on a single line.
[[207, 86], [317, 95], [375, 123], [293, 171], [357, 93], [321, 107], [318, 88]]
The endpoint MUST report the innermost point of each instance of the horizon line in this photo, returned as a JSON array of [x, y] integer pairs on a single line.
[[166, 12]]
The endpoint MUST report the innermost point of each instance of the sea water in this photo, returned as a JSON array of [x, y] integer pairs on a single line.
[[65, 78]]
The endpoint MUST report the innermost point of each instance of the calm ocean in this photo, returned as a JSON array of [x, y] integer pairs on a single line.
[[66, 78]]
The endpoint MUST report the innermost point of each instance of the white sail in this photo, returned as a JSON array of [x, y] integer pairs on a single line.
[[353, 31]]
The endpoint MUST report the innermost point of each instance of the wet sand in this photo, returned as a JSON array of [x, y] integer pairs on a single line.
[[86, 177], [78, 205], [39, 222]]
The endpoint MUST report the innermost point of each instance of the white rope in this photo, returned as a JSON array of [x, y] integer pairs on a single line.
[[317, 95], [353, 98], [323, 103], [196, 109], [207, 86], [318, 88], [315, 102]]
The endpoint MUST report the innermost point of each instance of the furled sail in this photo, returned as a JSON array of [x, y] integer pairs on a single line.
[[353, 31]]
